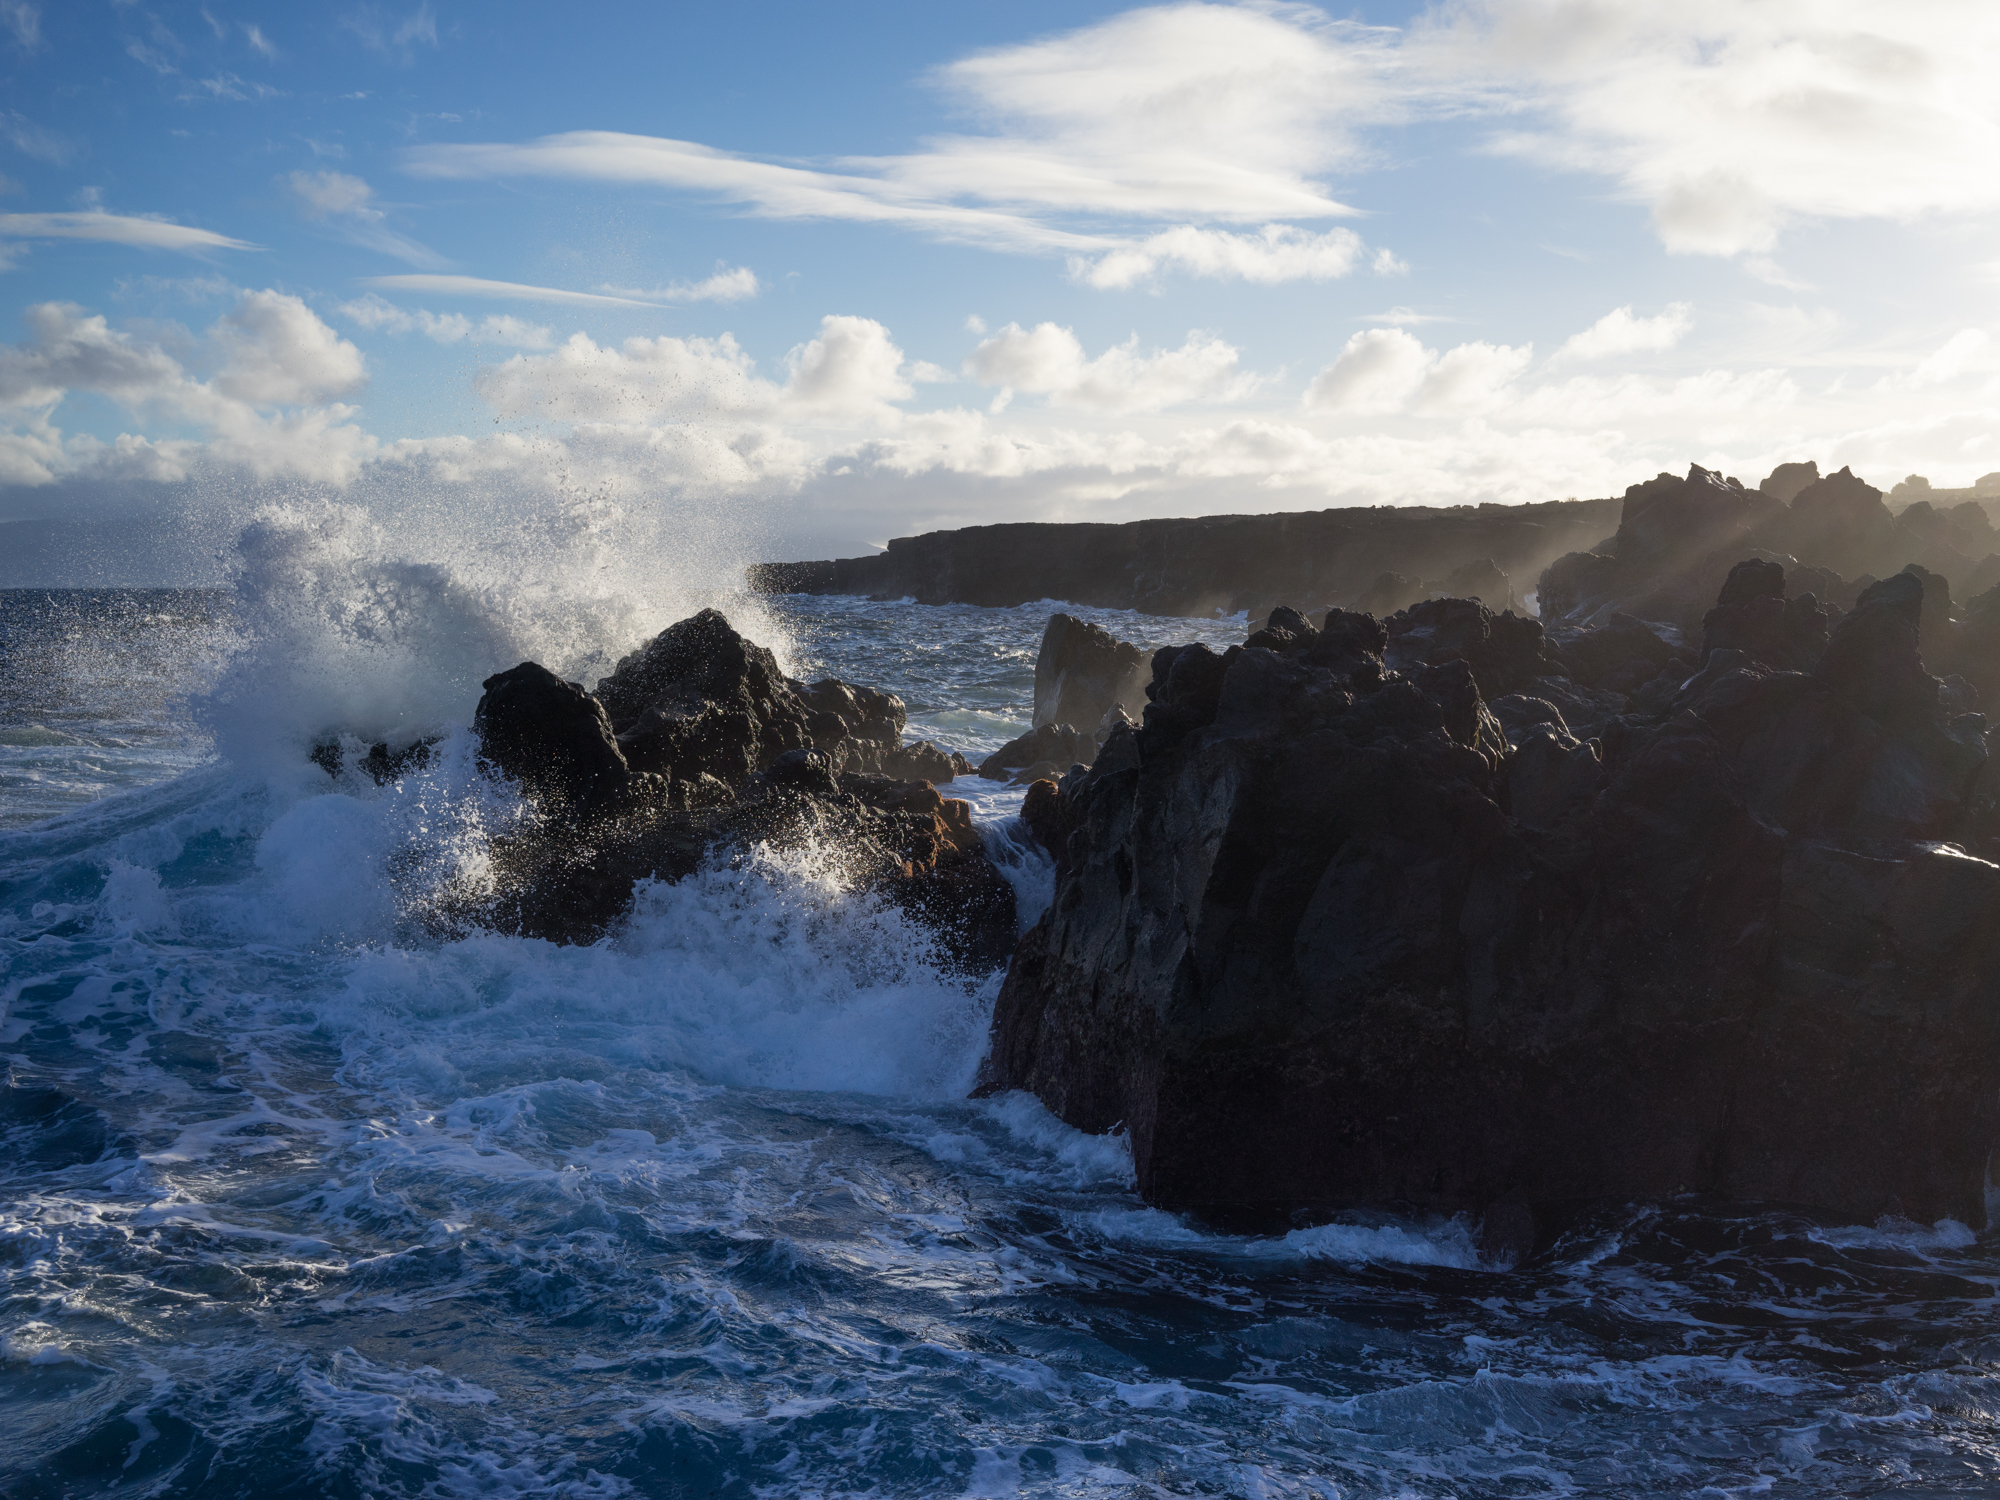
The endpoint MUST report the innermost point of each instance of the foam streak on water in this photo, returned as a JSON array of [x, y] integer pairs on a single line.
[[298, 1197]]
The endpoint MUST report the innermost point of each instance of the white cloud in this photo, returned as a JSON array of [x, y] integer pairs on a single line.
[[348, 203], [852, 373], [1406, 317], [1277, 252], [1385, 370], [1471, 377], [1960, 353], [276, 352], [30, 139], [1379, 370], [1190, 112], [726, 285], [378, 315], [1730, 121], [393, 36], [1048, 360], [502, 291], [266, 412], [1618, 332], [117, 229], [258, 41]]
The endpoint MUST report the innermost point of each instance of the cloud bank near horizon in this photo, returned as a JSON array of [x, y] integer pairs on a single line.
[[1200, 189]]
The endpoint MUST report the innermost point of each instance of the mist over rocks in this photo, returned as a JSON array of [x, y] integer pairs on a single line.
[[1455, 912]]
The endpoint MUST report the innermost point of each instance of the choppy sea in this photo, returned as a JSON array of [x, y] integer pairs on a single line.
[[299, 1198]]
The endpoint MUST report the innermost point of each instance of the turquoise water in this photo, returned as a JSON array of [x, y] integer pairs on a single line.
[[298, 1199]]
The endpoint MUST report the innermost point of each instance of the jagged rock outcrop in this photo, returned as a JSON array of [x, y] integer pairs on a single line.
[[1083, 671], [699, 699], [715, 749], [1333, 929], [1833, 534]]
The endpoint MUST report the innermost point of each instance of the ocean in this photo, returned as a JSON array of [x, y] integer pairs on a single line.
[[303, 1193]]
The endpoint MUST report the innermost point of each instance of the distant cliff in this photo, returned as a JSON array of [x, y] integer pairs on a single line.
[[1205, 564]]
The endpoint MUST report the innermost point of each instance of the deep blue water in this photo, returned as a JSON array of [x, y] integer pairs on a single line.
[[297, 1199]]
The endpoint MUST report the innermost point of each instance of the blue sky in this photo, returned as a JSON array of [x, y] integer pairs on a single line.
[[852, 272]]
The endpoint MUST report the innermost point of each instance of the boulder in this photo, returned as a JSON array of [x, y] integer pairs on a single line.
[[1785, 481], [855, 725], [700, 699], [550, 736], [1505, 651], [1082, 671], [1022, 758], [1323, 937], [716, 750]]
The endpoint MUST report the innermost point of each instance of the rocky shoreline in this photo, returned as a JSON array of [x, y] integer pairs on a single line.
[[1691, 886], [1453, 912]]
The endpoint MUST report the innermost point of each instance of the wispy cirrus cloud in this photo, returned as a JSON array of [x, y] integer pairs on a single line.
[[117, 229], [728, 284], [1203, 113], [503, 291], [1727, 122], [347, 204]]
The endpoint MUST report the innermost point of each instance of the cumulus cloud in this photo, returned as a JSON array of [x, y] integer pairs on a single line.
[[116, 229], [1618, 332], [276, 351], [1048, 360], [348, 204], [852, 372], [266, 411], [1385, 370]]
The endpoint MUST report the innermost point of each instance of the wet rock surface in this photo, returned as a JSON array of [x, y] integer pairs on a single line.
[[697, 742], [1450, 912], [1082, 672]]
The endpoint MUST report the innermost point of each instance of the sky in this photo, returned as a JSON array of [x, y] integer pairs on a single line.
[[843, 273]]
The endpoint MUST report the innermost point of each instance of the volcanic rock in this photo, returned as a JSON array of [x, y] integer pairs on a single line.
[[549, 735], [1322, 937], [723, 757], [699, 698], [1082, 671]]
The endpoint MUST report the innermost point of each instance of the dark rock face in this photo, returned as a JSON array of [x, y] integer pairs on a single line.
[[723, 752], [1048, 750], [856, 725], [549, 735], [1207, 565], [1832, 535], [1083, 671], [699, 698], [1330, 929]]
